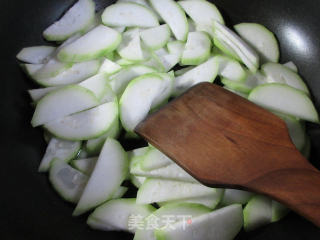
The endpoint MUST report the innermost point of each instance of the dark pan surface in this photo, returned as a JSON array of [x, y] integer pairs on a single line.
[[30, 209]]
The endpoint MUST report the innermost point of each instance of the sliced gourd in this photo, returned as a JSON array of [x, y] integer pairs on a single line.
[[281, 74], [285, 99], [166, 90], [205, 72], [67, 181], [158, 190], [63, 102], [75, 74], [169, 172], [174, 16], [134, 158], [130, 48], [138, 98], [297, 130], [157, 37], [85, 165], [166, 59], [176, 47], [231, 69], [59, 149], [120, 80], [97, 84], [224, 223], [247, 55], [261, 39], [257, 213], [109, 67], [245, 87], [197, 49], [154, 159], [210, 201], [120, 192], [176, 211], [36, 55], [37, 94], [94, 146], [203, 13], [85, 125], [50, 70], [279, 211], [110, 170], [92, 45], [292, 66], [129, 15], [77, 19], [125, 210]]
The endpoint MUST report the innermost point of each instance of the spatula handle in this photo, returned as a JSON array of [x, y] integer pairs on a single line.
[[299, 189]]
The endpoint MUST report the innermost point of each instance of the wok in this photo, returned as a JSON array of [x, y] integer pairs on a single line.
[[30, 209]]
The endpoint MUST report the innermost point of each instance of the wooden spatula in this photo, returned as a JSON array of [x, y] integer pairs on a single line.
[[224, 140]]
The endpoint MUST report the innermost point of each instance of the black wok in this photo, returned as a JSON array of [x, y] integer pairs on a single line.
[[29, 207]]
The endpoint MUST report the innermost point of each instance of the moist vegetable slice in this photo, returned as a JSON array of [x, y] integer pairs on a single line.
[[134, 158], [94, 44], [174, 16], [63, 102], [154, 159], [59, 149], [261, 39], [77, 19], [120, 192], [94, 146], [120, 80], [85, 165], [292, 66], [166, 90], [205, 72], [125, 211], [247, 55], [197, 49], [129, 15], [231, 69], [49, 70], [282, 98], [281, 74], [166, 59], [67, 181], [176, 47], [158, 190], [85, 125], [76, 73], [210, 201], [297, 130], [110, 170], [234, 196], [279, 211], [109, 67], [36, 54], [97, 84], [251, 81], [222, 224], [257, 213], [203, 13], [170, 172], [37, 94], [176, 211], [137, 99], [131, 48], [157, 37]]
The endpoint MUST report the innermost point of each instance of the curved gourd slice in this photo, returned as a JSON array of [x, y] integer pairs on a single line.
[[77, 19]]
